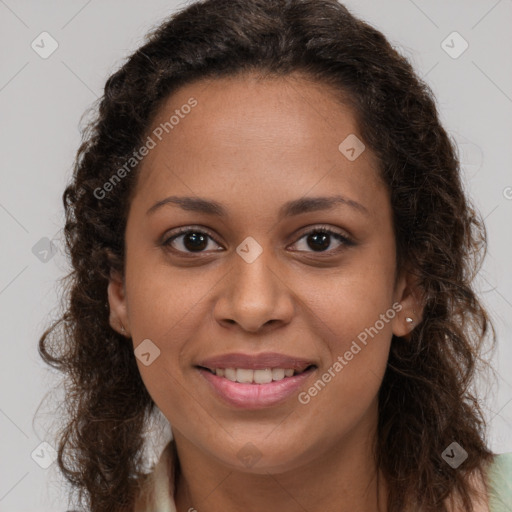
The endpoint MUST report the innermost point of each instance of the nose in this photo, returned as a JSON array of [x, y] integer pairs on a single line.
[[255, 295]]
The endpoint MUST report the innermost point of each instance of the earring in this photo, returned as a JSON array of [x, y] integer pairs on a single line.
[[409, 320], [123, 330]]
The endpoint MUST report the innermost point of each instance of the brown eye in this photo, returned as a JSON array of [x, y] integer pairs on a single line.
[[192, 240], [320, 239]]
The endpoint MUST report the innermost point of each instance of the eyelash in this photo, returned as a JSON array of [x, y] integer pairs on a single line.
[[346, 241]]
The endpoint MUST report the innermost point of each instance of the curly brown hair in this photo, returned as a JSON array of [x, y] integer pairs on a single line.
[[425, 400]]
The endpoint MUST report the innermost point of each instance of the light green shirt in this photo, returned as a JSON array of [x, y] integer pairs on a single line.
[[500, 483], [158, 496]]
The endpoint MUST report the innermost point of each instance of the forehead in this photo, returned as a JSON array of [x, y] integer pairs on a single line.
[[261, 132], [275, 110]]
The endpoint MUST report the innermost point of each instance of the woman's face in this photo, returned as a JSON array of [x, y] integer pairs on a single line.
[[259, 278]]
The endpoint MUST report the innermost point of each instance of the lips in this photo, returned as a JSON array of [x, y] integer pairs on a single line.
[[252, 395], [255, 381], [256, 361]]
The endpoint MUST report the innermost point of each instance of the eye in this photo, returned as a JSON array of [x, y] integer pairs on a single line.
[[319, 239], [193, 240], [197, 240]]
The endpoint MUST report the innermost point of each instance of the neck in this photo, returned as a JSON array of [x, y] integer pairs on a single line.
[[342, 479]]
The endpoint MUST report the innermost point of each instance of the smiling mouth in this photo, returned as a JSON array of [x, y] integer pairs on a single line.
[[259, 376]]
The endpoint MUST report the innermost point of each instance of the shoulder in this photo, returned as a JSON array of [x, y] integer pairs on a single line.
[[499, 483], [491, 487]]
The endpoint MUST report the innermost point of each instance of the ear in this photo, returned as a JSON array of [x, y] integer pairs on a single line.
[[117, 301], [409, 293]]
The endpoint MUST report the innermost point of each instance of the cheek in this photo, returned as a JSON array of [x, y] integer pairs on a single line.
[[162, 300], [352, 299], [354, 320], [345, 388], [159, 306], [162, 308]]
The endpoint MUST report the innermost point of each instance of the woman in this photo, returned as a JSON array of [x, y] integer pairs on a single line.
[[271, 246]]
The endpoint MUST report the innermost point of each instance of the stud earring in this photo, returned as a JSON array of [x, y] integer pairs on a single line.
[[409, 320]]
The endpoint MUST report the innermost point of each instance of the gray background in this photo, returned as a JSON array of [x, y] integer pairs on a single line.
[[42, 100]]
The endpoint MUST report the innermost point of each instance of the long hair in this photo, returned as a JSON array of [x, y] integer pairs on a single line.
[[425, 400]]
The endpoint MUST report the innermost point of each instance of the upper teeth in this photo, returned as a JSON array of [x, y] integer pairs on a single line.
[[243, 375]]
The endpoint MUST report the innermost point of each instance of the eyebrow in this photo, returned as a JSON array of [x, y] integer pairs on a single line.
[[289, 209]]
